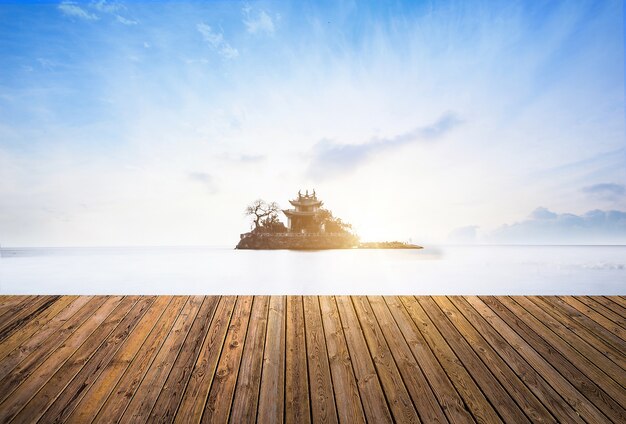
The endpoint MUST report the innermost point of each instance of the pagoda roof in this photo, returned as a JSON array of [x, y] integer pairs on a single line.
[[303, 201], [293, 212]]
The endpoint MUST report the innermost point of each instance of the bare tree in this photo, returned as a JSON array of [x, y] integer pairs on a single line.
[[260, 209]]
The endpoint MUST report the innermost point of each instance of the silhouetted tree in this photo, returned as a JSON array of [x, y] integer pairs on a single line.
[[263, 213], [331, 223]]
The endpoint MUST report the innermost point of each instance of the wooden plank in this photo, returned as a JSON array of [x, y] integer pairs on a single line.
[[272, 391], [9, 301], [619, 300], [22, 361], [474, 398], [416, 383], [510, 381], [606, 307], [97, 394], [598, 325], [297, 408], [597, 366], [23, 316], [483, 375], [442, 387], [194, 399], [347, 397], [166, 405], [533, 379], [35, 408], [14, 403], [35, 325], [145, 397], [396, 392], [67, 400], [220, 398], [580, 392], [246, 396], [120, 397], [372, 395], [323, 409], [13, 307]]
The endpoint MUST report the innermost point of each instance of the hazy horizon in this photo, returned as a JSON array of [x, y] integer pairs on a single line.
[[144, 124]]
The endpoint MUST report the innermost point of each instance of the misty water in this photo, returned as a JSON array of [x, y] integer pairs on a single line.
[[434, 270]]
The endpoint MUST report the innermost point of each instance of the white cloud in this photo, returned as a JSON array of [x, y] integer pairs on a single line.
[[126, 21], [105, 6], [261, 23], [216, 40], [70, 8]]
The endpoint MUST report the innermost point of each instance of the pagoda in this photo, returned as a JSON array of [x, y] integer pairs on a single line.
[[302, 219]]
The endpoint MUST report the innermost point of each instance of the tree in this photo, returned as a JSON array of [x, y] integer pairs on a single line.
[[332, 224], [271, 224], [262, 212]]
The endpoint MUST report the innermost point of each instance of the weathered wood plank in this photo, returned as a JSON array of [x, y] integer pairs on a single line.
[[115, 405], [596, 325], [14, 403], [320, 359], [323, 409], [472, 395], [9, 301], [372, 395], [23, 361], [577, 390], [531, 377], [347, 397], [67, 400], [587, 358], [219, 401], [145, 397], [272, 391], [297, 408], [619, 300], [102, 387], [510, 381], [34, 326], [165, 408], [13, 306], [24, 315], [194, 399], [395, 391], [500, 399], [246, 396], [606, 307], [444, 390]]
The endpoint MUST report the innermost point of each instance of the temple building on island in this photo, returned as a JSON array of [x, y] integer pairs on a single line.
[[303, 219]]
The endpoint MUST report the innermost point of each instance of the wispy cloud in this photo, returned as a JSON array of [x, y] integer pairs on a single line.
[[260, 23], [70, 8], [330, 158], [205, 179], [606, 191], [125, 21], [107, 6], [216, 41]]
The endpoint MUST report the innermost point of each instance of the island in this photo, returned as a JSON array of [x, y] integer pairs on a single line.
[[309, 227]]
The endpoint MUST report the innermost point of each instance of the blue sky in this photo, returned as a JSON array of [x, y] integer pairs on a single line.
[[157, 122]]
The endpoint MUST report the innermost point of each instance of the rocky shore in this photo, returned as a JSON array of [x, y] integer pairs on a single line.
[[291, 241], [261, 241]]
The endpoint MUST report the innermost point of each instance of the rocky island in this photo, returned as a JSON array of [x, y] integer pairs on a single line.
[[309, 227]]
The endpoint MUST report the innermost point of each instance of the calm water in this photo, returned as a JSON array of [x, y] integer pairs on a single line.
[[434, 270]]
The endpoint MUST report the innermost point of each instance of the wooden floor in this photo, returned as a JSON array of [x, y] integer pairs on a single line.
[[312, 359]]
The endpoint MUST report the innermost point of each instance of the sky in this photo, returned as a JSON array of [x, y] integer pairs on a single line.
[[156, 123]]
